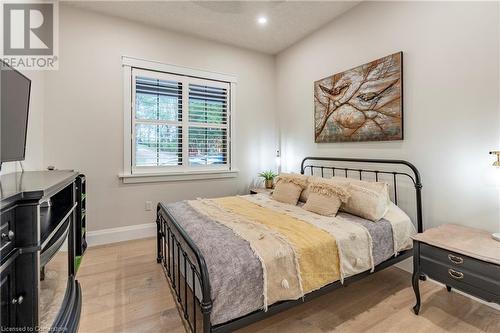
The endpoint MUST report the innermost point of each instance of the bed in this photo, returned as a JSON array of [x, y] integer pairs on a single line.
[[236, 260]]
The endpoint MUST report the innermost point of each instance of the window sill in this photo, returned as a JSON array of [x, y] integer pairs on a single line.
[[177, 176]]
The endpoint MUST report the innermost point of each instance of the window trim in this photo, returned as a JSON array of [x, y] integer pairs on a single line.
[[153, 174]]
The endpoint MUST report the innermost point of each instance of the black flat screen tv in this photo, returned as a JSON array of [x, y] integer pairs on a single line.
[[15, 98]]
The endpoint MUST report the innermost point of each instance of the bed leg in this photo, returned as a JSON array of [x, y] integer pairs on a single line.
[[415, 279], [416, 290]]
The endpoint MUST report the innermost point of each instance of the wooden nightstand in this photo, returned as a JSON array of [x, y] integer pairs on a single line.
[[256, 190], [459, 257]]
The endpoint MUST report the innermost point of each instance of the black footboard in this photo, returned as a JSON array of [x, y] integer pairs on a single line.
[[186, 271]]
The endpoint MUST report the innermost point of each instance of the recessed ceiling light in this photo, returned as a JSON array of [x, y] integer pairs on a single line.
[[262, 20]]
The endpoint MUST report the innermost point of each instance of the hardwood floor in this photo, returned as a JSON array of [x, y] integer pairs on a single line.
[[124, 290]]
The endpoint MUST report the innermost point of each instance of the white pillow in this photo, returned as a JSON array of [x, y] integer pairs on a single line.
[[368, 203]]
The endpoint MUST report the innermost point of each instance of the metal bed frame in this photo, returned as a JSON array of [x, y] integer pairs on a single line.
[[186, 270]]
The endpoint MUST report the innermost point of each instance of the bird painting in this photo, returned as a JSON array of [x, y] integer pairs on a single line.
[[361, 104]]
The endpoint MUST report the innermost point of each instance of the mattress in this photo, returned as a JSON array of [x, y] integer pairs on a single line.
[[259, 251]]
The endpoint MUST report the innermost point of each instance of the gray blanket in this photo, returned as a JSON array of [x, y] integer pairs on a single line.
[[235, 273], [381, 233]]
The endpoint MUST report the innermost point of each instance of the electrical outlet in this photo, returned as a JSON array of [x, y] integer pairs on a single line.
[[148, 206]]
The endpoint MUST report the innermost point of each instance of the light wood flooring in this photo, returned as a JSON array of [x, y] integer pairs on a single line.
[[124, 290]]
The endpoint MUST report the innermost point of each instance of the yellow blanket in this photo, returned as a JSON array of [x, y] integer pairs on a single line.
[[316, 249], [277, 256]]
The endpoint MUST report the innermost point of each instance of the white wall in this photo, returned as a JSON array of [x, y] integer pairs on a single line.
[[84, 111], [451, 82], [34, 138], [451, 96]]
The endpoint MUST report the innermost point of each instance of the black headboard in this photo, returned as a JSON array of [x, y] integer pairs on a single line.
[[315, 164]]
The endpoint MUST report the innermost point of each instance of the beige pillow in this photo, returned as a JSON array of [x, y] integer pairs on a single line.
[[371, 204], [368, 203], [288, 188], [305, 193], [376, 186], [380, 187], [325, 198]]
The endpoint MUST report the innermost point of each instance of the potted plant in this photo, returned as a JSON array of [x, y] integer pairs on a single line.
[[269, 178]]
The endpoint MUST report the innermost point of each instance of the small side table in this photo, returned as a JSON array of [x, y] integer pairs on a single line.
[[460, 257], [263, 190]]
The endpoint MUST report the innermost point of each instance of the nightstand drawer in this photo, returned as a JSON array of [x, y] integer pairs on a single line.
[[465, 280], [460, 262]]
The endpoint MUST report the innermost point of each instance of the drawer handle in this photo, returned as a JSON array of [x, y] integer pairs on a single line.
[[18, 300], [455, 259], [8, 236], [455, 274]]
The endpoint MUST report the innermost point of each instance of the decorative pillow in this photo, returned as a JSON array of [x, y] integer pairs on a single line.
[[380, 187], [368, 203], [305, 193], [376, 186], [325, 198], [288, 188]]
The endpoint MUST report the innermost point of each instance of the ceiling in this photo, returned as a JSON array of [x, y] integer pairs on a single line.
[[230, 22]]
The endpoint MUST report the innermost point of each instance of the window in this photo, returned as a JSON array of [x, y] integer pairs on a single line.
[[178, 123], [157, 118], [208, 124]]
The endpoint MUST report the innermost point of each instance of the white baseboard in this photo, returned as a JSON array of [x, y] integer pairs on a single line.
[[121, 234], [407, 265]]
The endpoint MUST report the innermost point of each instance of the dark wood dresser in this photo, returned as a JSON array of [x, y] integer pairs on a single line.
[[39, 291], [459, 257]]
